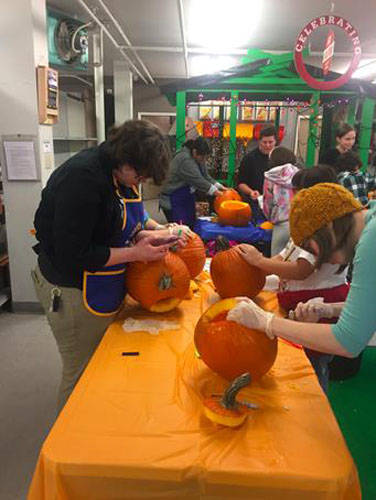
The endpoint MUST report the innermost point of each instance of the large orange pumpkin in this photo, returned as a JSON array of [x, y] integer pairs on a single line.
[[229, 194], [233, 276], [234, 213], [231, 349], [158, 286], [193, 254]]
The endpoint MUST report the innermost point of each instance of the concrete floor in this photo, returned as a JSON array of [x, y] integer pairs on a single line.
[[29, 377]]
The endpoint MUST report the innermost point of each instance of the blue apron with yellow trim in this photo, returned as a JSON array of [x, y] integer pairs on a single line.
[[183, 204], [104, 290], [183, 208]]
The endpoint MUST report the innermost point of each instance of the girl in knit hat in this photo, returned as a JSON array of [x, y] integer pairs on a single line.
[[327, 220], [299, 279]]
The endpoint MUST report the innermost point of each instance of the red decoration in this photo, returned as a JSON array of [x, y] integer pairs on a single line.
[[281, 132], [259, 126], [257, 130], [316, 23], [210, 128], [327, 57]]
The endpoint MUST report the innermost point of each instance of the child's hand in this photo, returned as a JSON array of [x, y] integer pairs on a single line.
[[312, 311], [250, 254]]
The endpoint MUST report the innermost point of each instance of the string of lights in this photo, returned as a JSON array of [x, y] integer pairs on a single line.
[[290, 104], [223, 147]]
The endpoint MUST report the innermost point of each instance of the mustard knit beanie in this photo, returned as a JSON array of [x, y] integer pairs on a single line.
[[317, 206]]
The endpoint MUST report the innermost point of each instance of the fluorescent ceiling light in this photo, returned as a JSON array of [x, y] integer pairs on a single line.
[[222, 23], [203, 65], [366, 69]]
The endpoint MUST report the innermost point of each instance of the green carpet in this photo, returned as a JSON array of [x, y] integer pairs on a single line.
[[354, 404]]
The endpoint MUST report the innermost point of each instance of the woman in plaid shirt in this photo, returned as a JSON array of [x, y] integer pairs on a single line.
[[349, 175]]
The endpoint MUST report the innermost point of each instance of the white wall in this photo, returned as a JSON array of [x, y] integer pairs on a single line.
[[22, 48]]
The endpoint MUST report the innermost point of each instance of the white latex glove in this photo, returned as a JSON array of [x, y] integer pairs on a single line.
[[312, 310], [249, 314], [220, 186]]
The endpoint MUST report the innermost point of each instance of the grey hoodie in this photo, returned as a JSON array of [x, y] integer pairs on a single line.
[[184, 171]]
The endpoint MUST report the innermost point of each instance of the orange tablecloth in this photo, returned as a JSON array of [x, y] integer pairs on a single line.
[[133, 428]]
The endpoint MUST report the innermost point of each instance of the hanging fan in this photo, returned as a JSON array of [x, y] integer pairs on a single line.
[[71, 40]]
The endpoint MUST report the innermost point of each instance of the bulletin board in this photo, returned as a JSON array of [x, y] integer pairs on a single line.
[[20, 157]]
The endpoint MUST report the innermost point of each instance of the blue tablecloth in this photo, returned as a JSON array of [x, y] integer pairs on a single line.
[[249, 234]]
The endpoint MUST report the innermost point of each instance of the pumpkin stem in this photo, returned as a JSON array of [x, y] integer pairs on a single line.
[[228, 399], [221, 243], [165, 283]]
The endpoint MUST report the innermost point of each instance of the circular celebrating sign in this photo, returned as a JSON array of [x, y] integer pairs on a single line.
[[330, 21]]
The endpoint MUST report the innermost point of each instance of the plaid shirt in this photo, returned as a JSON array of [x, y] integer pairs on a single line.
[[358, 183]]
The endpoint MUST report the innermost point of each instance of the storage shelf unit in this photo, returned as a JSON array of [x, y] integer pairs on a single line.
[[75, 139]]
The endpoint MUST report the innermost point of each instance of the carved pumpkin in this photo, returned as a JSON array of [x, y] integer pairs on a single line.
[[229, 194], [231, 349], [227, 411], [193, 254], [234, 213], [158, 286], [233, 276]]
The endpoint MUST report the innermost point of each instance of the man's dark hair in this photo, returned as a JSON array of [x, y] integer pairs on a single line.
[[268, 131], [280, 156], [141, 145], [308, 177], [348, 162], [199, 144]]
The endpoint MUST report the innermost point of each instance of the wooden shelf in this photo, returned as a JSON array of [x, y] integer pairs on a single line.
[[4, 260], [75, 139], [4, 295]]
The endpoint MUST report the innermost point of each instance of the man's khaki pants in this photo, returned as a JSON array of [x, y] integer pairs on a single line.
[[76, 330]]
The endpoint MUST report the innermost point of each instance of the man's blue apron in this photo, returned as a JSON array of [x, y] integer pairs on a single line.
[[104, 290], [183, 207], [183, 204]]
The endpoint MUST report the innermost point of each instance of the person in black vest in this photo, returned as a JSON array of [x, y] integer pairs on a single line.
[[345, 140], [253, 166]]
